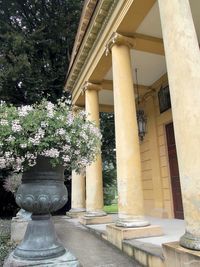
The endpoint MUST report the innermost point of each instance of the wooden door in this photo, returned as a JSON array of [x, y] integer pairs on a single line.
[[174, 172]]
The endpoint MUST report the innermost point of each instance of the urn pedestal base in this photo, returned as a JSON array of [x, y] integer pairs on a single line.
[[42, 191], [40, 240], [66, 260]]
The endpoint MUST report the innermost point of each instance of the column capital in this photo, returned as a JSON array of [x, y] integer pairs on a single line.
[[91, 86], [75, 108], [118, 39]]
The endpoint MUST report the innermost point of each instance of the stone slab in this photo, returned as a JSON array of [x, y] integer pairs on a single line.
[[147, 254], [67, 260], [96, 220], [177, 256], [18, 229], [151, 249], [116, 234]]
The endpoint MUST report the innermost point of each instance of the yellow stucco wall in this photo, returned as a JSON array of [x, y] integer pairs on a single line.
[[155, 167]]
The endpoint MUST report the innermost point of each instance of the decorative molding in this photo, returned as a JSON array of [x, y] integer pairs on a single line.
[[118, 39], [104, 12], [88, 9]]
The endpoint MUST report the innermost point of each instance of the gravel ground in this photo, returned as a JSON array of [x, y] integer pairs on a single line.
[[5, 245]]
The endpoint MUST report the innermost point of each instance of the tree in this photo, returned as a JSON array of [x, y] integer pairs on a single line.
[[36, 39], [107, 126]]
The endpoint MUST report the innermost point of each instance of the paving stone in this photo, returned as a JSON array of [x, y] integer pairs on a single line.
[[90, 250]]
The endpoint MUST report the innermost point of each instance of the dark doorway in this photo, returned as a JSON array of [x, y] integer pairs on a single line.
[[174, 172]]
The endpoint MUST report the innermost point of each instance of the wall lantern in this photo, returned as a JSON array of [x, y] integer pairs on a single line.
[[142, 122], [141, 117]]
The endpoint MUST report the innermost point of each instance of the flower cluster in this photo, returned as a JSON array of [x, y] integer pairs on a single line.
[[49, 130], [12, 182]]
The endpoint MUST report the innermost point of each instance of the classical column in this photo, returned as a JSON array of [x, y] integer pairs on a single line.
[[183, 66], [130, 203], [78, 194], [94, 181]]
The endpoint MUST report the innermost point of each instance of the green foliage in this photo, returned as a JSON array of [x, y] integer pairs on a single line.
[[113, 208], [36, 39], [110, 184], [109, 156], [107, 126]]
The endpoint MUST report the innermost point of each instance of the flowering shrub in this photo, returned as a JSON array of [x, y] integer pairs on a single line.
[[49, 130], [12, 182]]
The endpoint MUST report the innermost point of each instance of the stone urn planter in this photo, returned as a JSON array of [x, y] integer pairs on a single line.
[[42, 191], [37, 137]]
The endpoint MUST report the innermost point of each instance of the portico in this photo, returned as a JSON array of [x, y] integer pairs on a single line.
[[103, 62]]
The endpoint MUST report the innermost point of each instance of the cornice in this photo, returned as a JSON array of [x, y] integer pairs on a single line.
[[87, 11], [104, 11]]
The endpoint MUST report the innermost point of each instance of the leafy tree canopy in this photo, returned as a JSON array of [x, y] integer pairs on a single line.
[[36, 39], [107, 126]]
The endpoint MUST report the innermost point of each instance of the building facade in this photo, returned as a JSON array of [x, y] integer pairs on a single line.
[[135, 55]]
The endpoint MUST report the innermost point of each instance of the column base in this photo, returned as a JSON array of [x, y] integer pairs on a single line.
[[117, 234], [131, 222], [65, 260], [75, 213], [177, 256], [190, 241], [87, 220], [98, 213]]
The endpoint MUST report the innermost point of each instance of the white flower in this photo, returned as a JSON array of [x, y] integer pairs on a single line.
[[61, 131], [50, 106], [70, 118], [10, 138], [24, 110], [3, 122], [50, 114], [2, 163], [23, 145], [16, 127], [66, 158], [7, 154], [52, 153], [41, 132]]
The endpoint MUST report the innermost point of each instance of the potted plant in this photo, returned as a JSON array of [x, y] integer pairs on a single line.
[[41, 140]]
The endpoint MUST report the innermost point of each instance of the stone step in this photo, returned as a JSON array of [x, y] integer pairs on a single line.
[[149, 255]]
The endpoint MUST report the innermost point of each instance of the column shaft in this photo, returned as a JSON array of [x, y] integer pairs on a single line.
[[94, 180], [130, 193], [183, 66], [78, 192]]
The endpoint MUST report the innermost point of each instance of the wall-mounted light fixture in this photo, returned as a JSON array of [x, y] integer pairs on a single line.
[[141, 117]]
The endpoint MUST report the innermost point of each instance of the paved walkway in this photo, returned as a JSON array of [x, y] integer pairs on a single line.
[[89, 249]]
